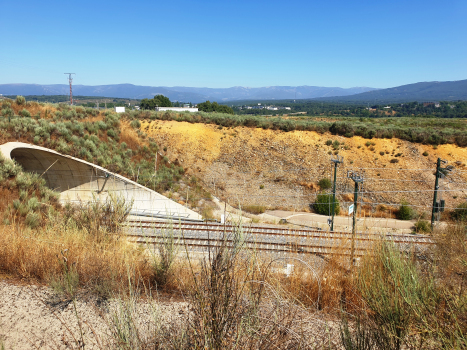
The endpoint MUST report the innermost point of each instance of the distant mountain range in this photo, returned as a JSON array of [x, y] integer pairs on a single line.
[[426, 91], [181, 93], [422, 92]]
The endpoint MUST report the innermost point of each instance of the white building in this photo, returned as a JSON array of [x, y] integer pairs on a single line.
[[177, 109], [120, 109]]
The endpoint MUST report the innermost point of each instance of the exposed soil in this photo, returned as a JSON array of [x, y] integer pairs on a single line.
[[281, 169]]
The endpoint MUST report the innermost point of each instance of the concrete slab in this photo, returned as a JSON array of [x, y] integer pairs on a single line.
[[77, 180]]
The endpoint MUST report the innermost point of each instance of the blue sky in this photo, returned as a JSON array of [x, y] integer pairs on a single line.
[[341, 43]]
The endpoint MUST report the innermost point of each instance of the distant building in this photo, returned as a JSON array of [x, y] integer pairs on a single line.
[[120, 109], [426, 104], [177, 109]]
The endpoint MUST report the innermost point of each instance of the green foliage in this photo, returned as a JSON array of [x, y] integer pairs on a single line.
[[323, 204], [156, 101], [405, 212], [135, 124], [394, 160], [254, 209], [425, 153], [20, 100], [25, 113], [324, 184], [460, 213], [392, 289], [335, 145], [328, 142], [422, 226], [214, 107]]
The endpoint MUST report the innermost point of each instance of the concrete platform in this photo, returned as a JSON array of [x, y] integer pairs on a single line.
[[77, 180]]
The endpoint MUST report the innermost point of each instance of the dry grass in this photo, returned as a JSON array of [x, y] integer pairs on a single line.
[[101, 266], [130, 136]]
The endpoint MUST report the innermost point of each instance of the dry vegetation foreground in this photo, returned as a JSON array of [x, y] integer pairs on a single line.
[[280, 169]]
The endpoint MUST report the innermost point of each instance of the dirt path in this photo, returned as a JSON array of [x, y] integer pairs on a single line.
[[33, 317]]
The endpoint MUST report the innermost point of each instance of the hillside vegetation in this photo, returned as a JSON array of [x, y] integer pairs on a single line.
[[281, 170], [104, 138]]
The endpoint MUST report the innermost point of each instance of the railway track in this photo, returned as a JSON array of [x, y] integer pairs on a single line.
[[267, 238]]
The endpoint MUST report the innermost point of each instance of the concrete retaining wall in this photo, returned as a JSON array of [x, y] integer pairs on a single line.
[[78, 180]]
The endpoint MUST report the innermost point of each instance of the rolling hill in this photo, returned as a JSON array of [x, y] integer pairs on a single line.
[[180, 93], [425, 91]]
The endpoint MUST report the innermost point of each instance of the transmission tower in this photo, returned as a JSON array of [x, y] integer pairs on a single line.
[[70, 80]]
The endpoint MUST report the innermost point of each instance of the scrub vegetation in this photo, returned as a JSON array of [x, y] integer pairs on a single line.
[[434, 131], [391, 299]]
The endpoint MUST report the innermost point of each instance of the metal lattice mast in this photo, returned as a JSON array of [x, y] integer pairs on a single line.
[[336, 161], [357, 179], [70, 80]]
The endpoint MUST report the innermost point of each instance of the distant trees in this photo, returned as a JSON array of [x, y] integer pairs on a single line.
[[156, 101], [214, 107]]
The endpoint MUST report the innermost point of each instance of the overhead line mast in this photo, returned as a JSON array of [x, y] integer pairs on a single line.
[[70, 80]]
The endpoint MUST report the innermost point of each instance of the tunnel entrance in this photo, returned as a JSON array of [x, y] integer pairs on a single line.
[[60, 173]]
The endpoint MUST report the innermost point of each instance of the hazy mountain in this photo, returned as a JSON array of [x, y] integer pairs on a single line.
[[180, 93], [426, 91]]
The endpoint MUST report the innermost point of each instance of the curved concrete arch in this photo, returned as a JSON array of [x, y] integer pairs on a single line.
[[78, 180]]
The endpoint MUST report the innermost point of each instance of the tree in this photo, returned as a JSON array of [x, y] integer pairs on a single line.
[[214, 107], [323, 204], [156, 101]]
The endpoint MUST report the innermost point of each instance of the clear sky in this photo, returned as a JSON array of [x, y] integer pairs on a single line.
[[343, 43]]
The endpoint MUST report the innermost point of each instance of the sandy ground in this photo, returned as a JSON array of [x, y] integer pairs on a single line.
[[280, 170], [33, 317]]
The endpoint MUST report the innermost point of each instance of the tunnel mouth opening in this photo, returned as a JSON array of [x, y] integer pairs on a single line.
[[60, 173]]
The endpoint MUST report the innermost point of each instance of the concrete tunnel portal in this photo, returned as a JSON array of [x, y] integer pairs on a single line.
[[79, 181]]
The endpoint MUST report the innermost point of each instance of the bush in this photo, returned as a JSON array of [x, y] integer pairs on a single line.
[[254, 209], [25, 113], [394, 160], [33, 220], [422, 226], [323, 204], [405, 212], [328, 142], [324, 184], [135, 124], [425, 153], [20, 100], [460, 213]]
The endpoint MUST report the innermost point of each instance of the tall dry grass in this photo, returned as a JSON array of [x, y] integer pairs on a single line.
[[102, 266]]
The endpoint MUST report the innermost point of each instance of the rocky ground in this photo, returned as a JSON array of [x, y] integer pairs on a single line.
[[280, 170]]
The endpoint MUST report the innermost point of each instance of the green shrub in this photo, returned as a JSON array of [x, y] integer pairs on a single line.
[[8, 112], [425, 153], [20, 100], [323, 204], [324, 184], [460, 213], [32, 220], [135, 124], [33, 203], [25, 113], [254, 209], [394, 160], [335, 145], [328, 142], [381, 153], [422, 226], [111, 133], [405, 211]]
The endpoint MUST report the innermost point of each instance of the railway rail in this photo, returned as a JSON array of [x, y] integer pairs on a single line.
[[267, 238]]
